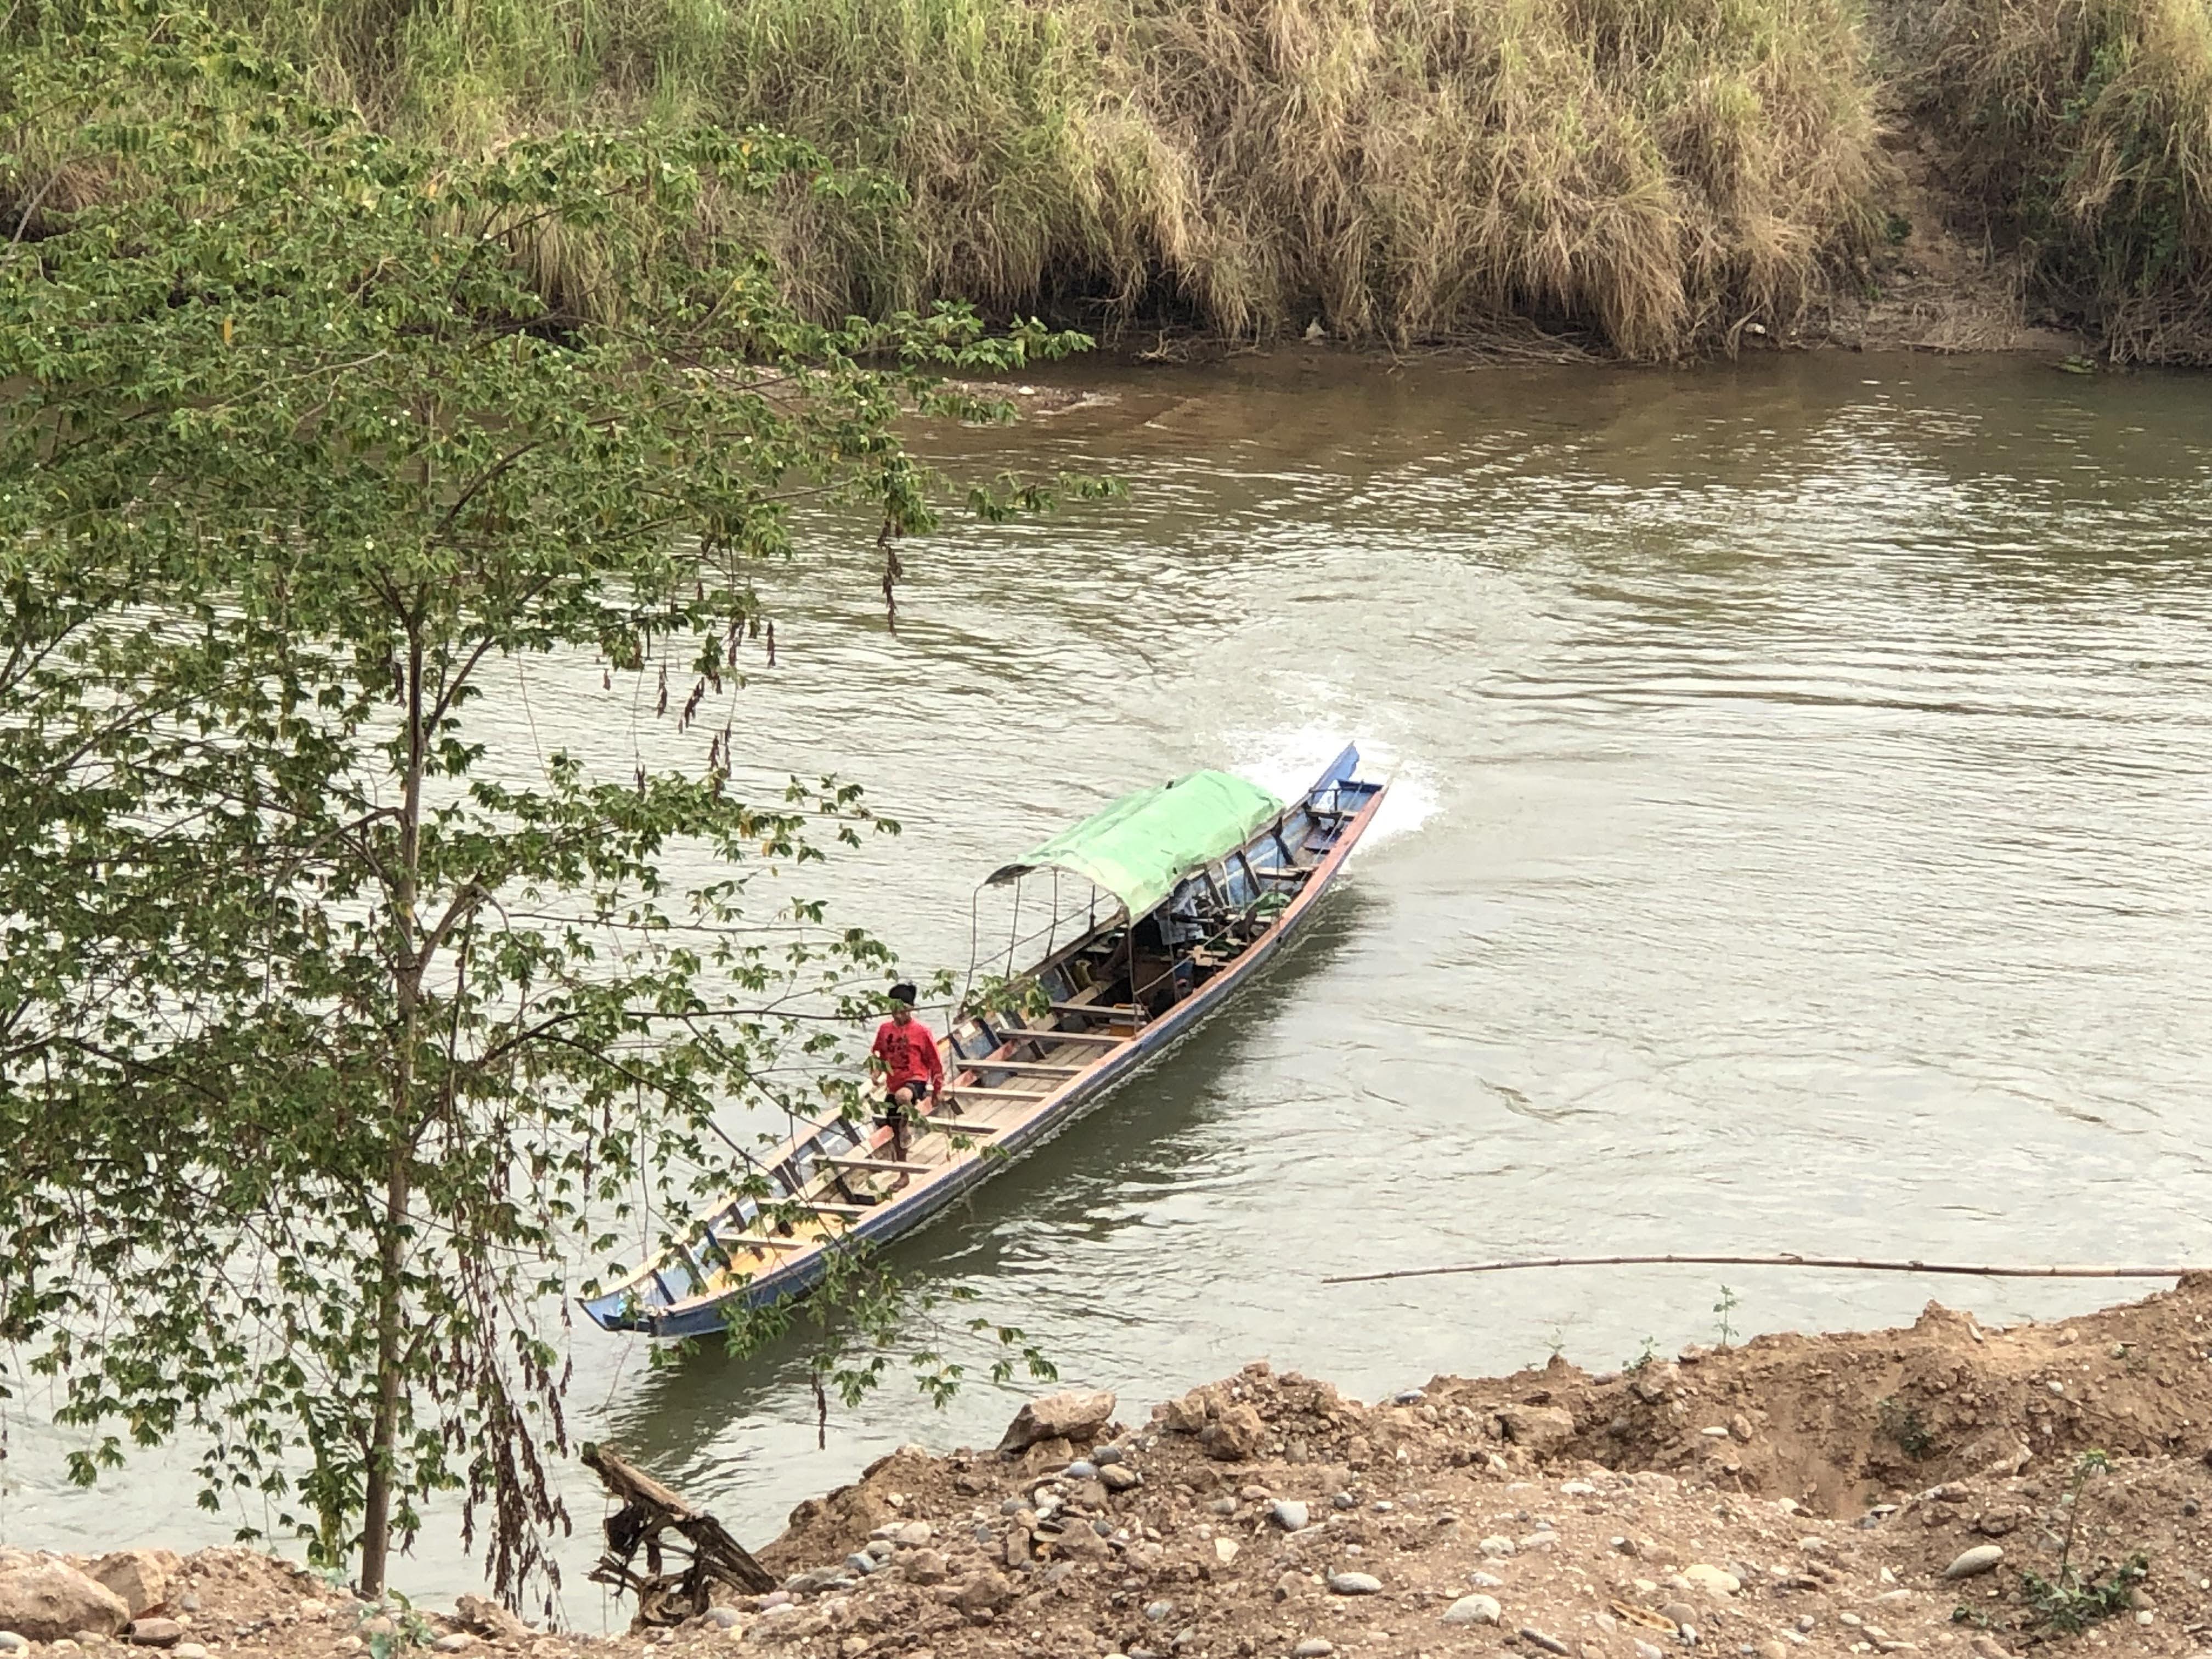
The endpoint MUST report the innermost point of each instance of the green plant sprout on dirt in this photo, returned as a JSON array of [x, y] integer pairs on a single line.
[[2069, 1602], [1903, 1423], [1645, 1356], [1726, 1306]]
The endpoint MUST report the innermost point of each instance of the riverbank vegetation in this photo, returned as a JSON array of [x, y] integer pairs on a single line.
[[2081, 130], [1659, 171], [1660, 176]]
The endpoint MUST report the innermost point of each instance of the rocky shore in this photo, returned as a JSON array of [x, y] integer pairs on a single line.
[[1950, 1487]]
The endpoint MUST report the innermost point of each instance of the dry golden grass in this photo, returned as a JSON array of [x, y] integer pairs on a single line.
[[1659, 173]]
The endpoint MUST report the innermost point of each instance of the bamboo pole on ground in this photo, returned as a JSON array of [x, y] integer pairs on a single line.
[[1856, 1264]]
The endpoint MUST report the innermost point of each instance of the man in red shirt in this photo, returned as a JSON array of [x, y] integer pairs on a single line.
[[906, 1054]]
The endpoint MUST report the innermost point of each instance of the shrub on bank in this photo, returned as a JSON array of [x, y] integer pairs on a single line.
[[2085, 127]]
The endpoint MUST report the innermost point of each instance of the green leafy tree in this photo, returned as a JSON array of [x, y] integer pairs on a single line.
[[333, 1028]]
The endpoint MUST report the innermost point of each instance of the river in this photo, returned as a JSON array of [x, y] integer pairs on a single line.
[[1799, 838]]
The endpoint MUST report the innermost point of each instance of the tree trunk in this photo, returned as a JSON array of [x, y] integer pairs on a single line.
[[384, 1428], [392, 1245]]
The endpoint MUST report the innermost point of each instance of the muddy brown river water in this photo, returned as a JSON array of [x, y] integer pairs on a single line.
[[1799, 838]]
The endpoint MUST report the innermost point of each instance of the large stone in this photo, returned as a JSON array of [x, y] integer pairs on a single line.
[[1354, 1583], [1714, 1581], [985, 1592], [141, 1577], [1233, 1436], [1072, 1414], [45, 1600], [923, 1566], [489, 1619], [155, 1632], [1474, 1610], [1185, 1416], [1291, 1514], [1978, 1560], [1539, 1428]]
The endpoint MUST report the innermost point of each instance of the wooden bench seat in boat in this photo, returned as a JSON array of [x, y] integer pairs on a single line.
[[1039, 1034], [882, 1163]]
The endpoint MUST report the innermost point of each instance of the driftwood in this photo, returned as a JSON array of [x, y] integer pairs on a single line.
[[708, 1554], [1852, 1263]]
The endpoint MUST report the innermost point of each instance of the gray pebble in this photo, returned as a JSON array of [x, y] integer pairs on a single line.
[[1120, 1477], [1474, 1610], [1354, 1583], [1344, 1500], [1486, 1581], [723, 1618], [1314, 1647], [1157, 1611], [1407, 1397], [1081, 1470], [1646, 1650], [1291, 1514], [1980, 1559], [11, 1643]]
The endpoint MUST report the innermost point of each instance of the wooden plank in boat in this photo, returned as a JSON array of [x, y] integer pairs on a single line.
[[1050, 1037], [882, 1163], [1047, 1066], [749, 1240], [998, 1088], [1093, 1008]]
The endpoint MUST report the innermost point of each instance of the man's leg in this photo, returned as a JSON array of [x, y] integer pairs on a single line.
[[901, 1102]]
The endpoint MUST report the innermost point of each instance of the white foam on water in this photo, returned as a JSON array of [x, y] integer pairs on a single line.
[[1285, 761]]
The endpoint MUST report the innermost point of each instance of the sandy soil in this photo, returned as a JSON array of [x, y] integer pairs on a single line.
[[1797, 1495]]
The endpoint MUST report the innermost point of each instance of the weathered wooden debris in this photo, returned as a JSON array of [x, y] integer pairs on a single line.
[[681, 1572]]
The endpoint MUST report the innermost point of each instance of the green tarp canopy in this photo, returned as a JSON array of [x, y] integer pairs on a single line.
[[1141, 846]]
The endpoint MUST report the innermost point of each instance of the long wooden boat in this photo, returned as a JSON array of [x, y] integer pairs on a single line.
[[1209, 874]]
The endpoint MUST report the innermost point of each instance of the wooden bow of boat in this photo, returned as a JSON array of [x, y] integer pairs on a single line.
[[1111, 1000]]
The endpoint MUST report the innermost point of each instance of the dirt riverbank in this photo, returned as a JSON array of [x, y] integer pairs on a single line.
[[1893, 1491]]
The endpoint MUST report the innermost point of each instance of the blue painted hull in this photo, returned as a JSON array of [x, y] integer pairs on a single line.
[[625, 1309]]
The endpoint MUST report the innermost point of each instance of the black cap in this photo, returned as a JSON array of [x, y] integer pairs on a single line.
[[903, 992]]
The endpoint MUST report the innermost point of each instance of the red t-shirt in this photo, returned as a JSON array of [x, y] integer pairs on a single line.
[[909, 1053]]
